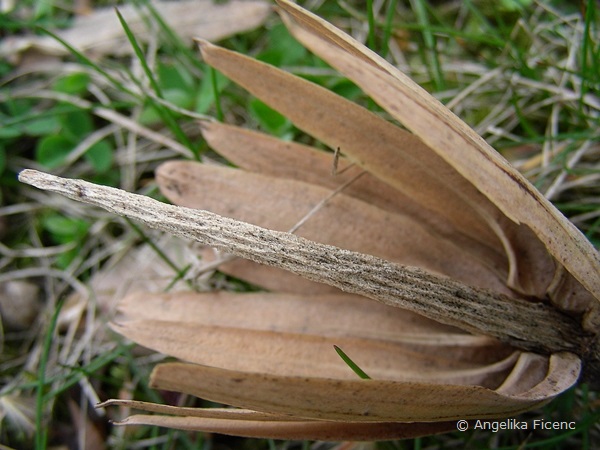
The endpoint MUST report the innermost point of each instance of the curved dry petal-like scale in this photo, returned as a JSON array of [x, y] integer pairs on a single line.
[[296, 429], [562, 369], [464, 150], [211, 413], [331, 315], [567, 293], [289, 334], [363, 400], [525, 374], [258, 152], [278, 204]]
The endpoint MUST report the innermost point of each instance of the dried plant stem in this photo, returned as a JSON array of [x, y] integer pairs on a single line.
[[526, 325]]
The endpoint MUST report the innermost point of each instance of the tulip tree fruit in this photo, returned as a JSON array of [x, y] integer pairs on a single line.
[[432, 263]]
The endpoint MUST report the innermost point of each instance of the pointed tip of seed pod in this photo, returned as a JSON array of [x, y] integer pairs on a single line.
[[35, 178], [26, 175], [203, 44]]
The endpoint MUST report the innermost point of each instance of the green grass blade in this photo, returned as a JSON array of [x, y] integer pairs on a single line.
[[432, 58], [590, 66], [165, 114], [371, 20], [77, 373], [357, 370], [41, 435], [388, 27], [180, 47], [475, 38], [217, 95], [140, 55]]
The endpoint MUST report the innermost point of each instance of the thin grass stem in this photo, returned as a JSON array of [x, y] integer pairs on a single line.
[[355, 368], [388, 28], [180, 273], [41, 436], [371, 20], [163, 112], [432, 57], [217, 95]]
